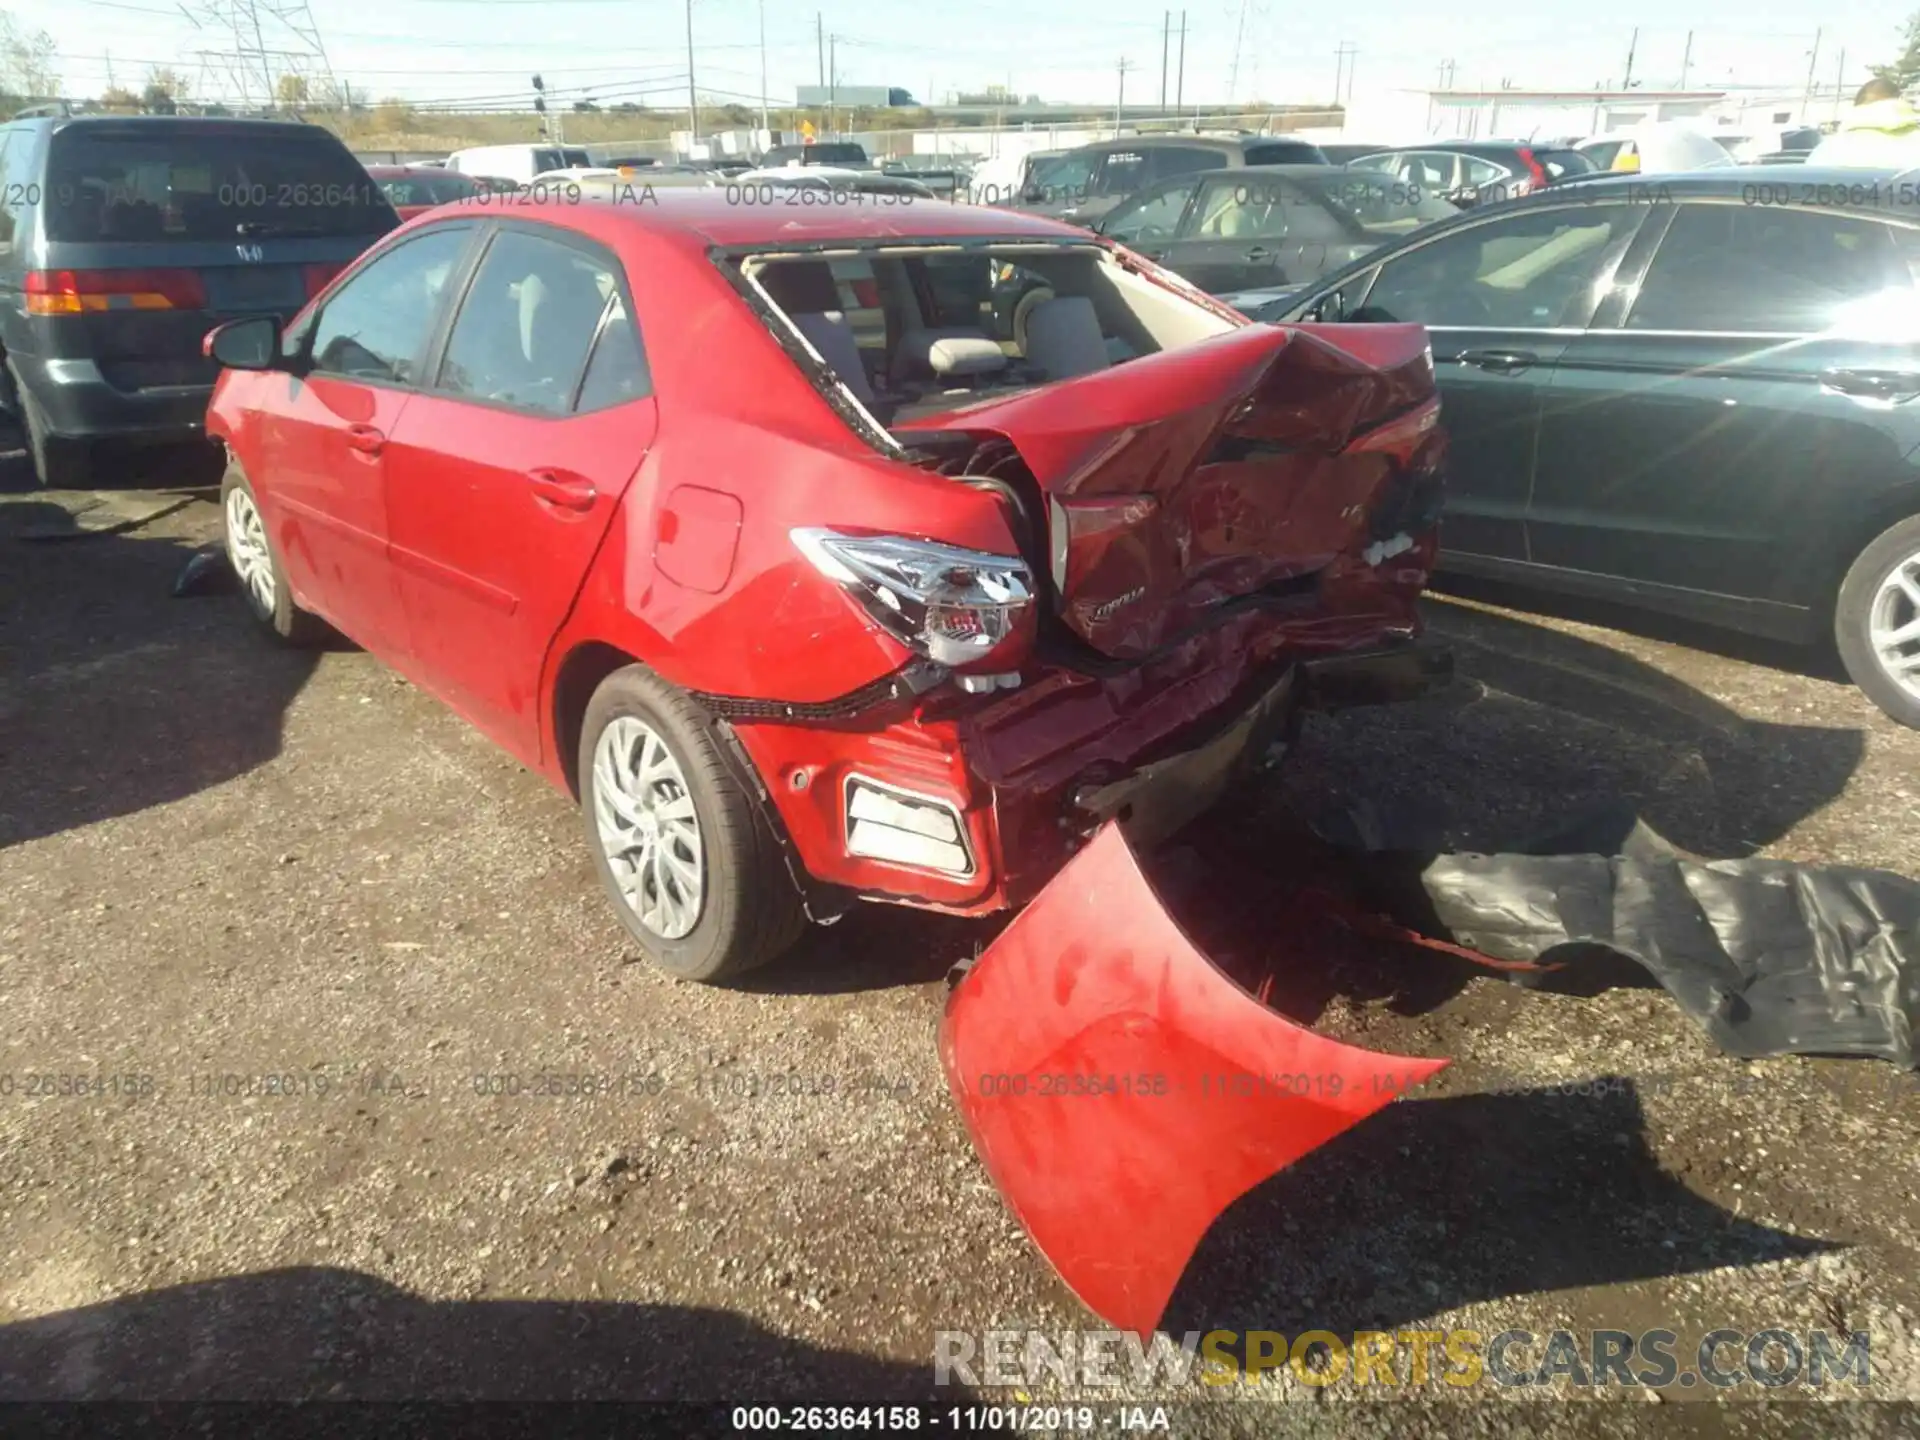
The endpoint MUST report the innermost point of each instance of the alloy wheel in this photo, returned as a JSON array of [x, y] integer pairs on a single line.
[[1893, 625], [247, 550], [644, 815]]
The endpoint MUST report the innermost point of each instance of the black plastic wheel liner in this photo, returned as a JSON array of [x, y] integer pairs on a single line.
[[1769, 956]]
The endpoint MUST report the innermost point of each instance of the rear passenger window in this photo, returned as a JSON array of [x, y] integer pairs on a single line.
[[1531, 270], [1761, 268], [375, 326], [1170, 161], [1121, 172], [525, 327], [617, 369]]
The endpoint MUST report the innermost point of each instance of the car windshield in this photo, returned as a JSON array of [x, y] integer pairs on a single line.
[[194, 183], [827, 153], [436, 188], [1061, 172]]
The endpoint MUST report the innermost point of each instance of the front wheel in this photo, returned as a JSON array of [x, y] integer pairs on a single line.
[[263, 581], [690, 859], [1877, 622]]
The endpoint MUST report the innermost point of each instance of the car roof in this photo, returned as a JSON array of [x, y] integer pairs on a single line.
[[1735, 179], [229, 124], [707, 216], [1192, 142]]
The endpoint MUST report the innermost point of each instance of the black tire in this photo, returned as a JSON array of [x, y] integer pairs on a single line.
[[1853, 614], [284, 620], [750, 911], [58, 463]]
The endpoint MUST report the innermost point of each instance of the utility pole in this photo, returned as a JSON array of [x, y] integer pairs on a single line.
[[693, 99], [763, 64], [1166, 39], [1180, 75], [1239, 34], [820, 43], [1633, 46], [1121, 104], [1686, 60], [1806, 102], [1343, 56], [833, 81], [1839, 85]]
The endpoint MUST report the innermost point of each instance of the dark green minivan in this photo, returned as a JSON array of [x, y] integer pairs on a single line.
[[124, 239]]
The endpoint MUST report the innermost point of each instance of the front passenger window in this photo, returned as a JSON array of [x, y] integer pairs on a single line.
[[376, 326]]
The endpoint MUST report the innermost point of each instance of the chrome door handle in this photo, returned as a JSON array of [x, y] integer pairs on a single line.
[[1895, 387], [1500, 362]]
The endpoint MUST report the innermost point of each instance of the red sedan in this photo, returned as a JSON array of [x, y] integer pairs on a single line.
[[414, 190], [749, 523]]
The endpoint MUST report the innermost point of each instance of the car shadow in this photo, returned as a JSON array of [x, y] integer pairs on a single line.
[[118, 466], [117, 697], [1520, 1193], [313, 1333], [1541, 725], [874, 947], [1818, 661]]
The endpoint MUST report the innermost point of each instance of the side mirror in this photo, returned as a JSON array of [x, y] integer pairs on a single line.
[[249, 344]]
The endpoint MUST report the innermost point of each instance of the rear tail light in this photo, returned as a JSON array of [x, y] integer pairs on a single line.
[[959, 608], [318, 277], [85, 292], [1536, 172]]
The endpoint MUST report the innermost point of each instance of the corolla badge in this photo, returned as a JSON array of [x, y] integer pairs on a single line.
[[249, 252], [1109, 608]]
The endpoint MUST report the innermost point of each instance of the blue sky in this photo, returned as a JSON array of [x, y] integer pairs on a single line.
[[625, 49]]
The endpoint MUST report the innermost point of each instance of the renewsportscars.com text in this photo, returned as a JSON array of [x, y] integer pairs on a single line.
[[1657, 1359]]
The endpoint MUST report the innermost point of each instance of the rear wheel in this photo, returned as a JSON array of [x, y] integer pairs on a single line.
[[263, 583], [1877, 622], [59, 463], [684, 849]]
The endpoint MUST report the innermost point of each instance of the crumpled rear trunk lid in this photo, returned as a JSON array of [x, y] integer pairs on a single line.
[[1185, 480]]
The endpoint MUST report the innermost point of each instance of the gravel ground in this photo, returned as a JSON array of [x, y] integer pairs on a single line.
[[222, 862]]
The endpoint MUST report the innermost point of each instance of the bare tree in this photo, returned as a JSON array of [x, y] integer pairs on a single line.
[[166, 88], [26, 61]]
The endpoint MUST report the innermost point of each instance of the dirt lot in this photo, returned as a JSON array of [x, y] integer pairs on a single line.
[[222, 863]]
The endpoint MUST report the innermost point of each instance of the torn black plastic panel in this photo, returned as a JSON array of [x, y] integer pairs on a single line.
[[1769, 956]]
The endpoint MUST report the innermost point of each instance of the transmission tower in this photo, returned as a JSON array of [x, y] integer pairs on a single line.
[[252, 44]]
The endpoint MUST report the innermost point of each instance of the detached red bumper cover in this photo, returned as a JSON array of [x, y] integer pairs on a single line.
[[1123, 1091]]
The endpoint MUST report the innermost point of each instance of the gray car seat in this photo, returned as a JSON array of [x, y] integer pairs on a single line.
[[1064, 339]]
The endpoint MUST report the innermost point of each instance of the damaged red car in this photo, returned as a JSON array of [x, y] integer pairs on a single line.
[[814, 569]]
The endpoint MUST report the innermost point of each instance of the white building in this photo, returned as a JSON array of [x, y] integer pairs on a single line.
[[1396, 117]]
